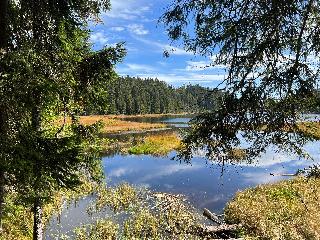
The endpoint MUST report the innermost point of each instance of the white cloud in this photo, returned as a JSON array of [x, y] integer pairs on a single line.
[[119, 172], [263, 177], [133, 68], [165, 47], [117, 29], [99, 38], [198, 66], [127, 9], [137, 29]]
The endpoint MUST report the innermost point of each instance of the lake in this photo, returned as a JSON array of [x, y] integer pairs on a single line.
[[202, 182]]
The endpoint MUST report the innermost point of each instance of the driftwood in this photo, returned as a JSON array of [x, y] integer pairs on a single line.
[[285, 174], [211, 216], [220, 228]]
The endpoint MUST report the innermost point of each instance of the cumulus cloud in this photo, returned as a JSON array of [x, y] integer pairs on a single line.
[[137, 29], [127, 10], [99, 38], [117, 29], [135, 69], [160, 47]]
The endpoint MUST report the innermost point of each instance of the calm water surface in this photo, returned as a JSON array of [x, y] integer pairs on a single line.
[[203, 183]]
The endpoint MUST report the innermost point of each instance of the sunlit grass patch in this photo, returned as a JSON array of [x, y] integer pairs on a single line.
[[157, 145], [114, 125], [285, 210]]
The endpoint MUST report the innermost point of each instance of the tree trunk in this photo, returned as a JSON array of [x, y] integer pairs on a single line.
[[2, 192], [3, 121], [37, 208], [37, 221], [3, 24]]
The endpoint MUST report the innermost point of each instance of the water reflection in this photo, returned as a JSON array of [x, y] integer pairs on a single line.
[[201, 181]]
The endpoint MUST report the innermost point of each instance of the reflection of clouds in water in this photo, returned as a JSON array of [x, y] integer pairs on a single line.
[[212, 200], [263, 177], [163, 171], [168, 186], [119, 172], [274, 156], [270, 157]]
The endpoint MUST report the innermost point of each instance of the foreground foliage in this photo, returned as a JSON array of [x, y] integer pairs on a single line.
[[285, 210], [18, 218]]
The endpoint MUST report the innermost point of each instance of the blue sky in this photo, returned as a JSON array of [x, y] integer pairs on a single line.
[[135, 22]]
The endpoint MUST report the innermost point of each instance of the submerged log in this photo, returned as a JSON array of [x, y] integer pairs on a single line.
[[211, 216]]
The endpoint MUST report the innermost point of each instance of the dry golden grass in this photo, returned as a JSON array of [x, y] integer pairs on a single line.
[[115, 125], [312, 128], [284, 210]]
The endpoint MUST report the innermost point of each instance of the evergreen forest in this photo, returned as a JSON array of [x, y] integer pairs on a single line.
[[134, 95]]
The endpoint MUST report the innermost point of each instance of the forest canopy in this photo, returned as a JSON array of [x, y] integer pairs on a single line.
[[134, 95]]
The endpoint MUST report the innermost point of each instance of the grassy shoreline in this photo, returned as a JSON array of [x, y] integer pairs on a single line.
[[116, 125], [288, 209]]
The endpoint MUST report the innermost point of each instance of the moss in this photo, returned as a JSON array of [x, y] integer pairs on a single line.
[[286, 210]]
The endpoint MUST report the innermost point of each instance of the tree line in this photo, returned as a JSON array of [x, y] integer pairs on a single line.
[[134, 95]]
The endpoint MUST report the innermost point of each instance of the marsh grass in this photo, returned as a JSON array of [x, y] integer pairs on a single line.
[[115, 125], [157, 145], [285, 210]]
